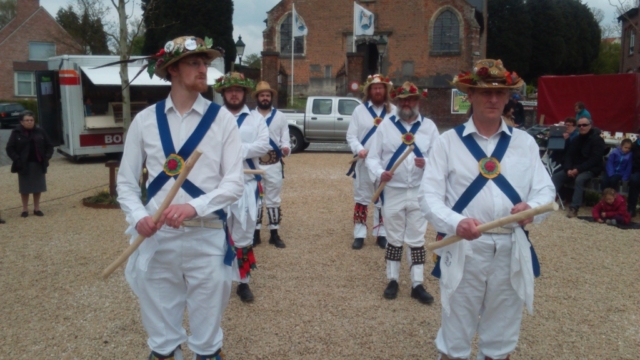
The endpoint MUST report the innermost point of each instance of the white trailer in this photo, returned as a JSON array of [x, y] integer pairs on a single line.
[[80, 107]]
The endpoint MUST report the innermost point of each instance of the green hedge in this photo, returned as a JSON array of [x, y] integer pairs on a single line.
[[31, 105]]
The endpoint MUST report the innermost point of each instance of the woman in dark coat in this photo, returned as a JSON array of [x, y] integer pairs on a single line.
[[30, 149]]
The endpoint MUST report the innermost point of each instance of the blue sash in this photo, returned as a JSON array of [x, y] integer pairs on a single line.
[[185, 151], [368, 135], [273, 144], [250, 162], [476, 186], [403, 146]]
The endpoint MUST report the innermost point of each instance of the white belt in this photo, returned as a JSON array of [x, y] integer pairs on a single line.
[[500, 230], [209, 224]]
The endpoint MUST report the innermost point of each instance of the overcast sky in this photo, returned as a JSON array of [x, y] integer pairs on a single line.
[[249, 16]]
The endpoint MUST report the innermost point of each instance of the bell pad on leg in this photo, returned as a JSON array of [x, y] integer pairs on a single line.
[[418, 255], [275, 215], [393, 253], [360, 214]]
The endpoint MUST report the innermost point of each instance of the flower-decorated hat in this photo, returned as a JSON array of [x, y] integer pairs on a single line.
[[487, 73], [233, 79], [262, 87], [376, 79], [408, 89], [173, 51], [178, 48]]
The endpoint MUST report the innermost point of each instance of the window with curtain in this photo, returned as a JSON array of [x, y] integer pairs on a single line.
[[446, 34], [41, 51], [24, 83], [285, 38]]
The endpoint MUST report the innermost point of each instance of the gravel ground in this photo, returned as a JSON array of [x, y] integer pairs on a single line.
[[315, 299]]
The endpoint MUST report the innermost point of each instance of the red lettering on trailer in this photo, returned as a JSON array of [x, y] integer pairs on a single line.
[[101, 139]]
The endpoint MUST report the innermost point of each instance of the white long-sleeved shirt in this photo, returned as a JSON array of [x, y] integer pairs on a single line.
[[361, 123], [255, 139], [218, 172], [278, 130], [388, 139], [451, 168]]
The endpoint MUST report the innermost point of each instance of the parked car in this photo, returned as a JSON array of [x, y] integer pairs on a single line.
[[326, 119], [10, 114]]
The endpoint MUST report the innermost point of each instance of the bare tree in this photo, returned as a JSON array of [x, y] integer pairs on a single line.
[[622, 6]]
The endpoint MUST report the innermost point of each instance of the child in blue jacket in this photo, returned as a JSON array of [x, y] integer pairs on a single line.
[[618, 166]]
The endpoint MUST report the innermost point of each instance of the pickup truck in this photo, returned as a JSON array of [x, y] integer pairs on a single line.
[[326, 119]]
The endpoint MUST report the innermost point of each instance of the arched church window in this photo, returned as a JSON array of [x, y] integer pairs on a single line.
[[285, 38], [446, 34]]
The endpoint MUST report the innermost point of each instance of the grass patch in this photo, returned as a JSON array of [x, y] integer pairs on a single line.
[[102, 197]]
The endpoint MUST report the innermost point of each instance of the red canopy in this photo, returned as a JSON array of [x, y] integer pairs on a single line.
[[612, 100]]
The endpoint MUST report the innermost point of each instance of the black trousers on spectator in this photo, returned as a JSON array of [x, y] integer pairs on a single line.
[[634, 191], [612, 181]]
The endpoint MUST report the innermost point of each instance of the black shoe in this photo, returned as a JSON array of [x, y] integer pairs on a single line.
[[256, 238], [2, 221], [24, 214], [421, 295], [391, 292], [275, 240], [38, 213], [357, 243], [245, 293], [382, 242]]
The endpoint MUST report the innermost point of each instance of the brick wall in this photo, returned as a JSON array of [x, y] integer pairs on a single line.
[[405, 25], [32, 23], [437, 107], [630, 62]]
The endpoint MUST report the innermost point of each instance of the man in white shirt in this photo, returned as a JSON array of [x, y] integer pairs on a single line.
[[255, 143], [365, 120], [186, 258], [478, 172], [404, 222], [272, 162]]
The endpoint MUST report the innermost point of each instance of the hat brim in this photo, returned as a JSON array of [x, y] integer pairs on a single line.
[[365, 88], [404, 96], [465, 87], [212, 54], [273, 92], [219, 90]]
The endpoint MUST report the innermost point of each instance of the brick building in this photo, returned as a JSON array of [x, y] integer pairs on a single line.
[[428, 42], [630, 57], [30, 38]]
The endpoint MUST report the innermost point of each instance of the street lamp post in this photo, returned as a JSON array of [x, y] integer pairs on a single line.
[[382, 48], [240, 49]]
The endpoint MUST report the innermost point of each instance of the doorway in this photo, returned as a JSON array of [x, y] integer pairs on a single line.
[[370, 60]]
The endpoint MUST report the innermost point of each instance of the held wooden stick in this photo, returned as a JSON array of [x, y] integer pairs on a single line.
[[254, 172], [393, 169], [523, 215], [354, 159], [188, 165]]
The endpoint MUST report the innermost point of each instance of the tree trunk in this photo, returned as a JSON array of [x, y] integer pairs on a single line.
[[124, 69]]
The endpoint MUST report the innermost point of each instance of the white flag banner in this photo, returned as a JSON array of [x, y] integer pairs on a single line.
[[299, 27], [362, 21]]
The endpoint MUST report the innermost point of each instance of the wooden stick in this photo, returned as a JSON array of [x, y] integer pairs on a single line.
[[542, 119], [254, 172], [523, 215], [393, 169], [191, 161], [355, 158]]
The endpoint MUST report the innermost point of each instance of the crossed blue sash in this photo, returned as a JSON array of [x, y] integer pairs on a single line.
[[368, 135], [476, 186], [401, 149], [185, 151], [273, 144], [250, 162]]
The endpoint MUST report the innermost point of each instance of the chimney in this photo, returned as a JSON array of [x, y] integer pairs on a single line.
[[24, 8]]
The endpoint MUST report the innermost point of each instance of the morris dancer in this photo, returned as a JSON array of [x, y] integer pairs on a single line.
[[404, 222], [272, 162], [255, 143], [481, 171], [364, 122], [189, 266]]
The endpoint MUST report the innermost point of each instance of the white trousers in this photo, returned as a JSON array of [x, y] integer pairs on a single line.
[[242, 227], [484, 302], [186, 270], [404, 224], [272, 188], [363, 189]]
